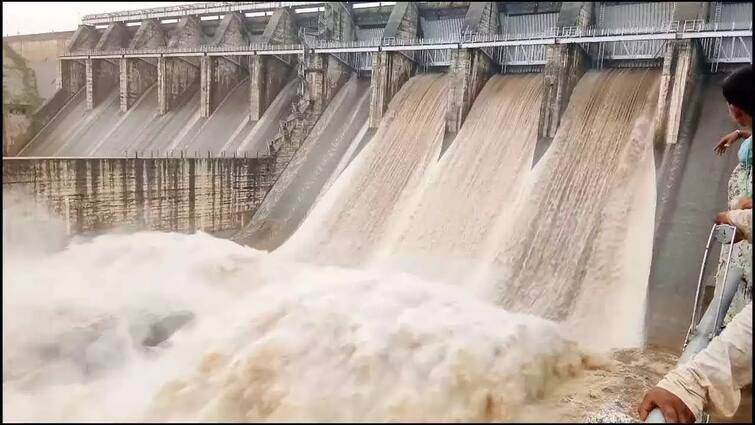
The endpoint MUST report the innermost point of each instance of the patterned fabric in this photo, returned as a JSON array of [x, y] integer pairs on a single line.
[[740, 184], [745, 152]]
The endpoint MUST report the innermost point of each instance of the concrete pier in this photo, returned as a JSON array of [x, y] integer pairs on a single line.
[[218, 75], [470, 68], [176, 75], [390, 70], [269, 74], [565, 65], [102, 75], [137, 75], [681, 65]]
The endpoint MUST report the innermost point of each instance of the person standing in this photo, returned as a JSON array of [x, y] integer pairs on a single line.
[[738, 91], [712, 380]]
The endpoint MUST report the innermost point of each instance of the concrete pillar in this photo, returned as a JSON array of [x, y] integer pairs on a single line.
[[337, 22], [468, 71], [681, 65], [269, 74], [390, 70], [188, 33], [90, 64], [174, 77], [324, 77], [686, 67], [205, 83], [316, 85], [162, 86], [137, 75], [565, 65], [470, 68], [71, 76], [101, 77], [177, 75], [218, 75], [5, 153]]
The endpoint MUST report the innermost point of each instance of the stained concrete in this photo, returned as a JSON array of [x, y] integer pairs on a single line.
[[469, 69], [390, 70], [565, 65], [181, 195], [311, 168], [253, 139]]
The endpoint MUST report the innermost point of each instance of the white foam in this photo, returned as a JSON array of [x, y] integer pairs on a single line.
[[270, 340]]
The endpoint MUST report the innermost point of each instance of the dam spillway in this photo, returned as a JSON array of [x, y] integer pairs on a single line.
[[493, 179]]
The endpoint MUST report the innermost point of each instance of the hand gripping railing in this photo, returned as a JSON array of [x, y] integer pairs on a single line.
[[702, 330]]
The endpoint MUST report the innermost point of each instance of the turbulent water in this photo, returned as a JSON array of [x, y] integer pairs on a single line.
[[571, 233], [441, 231], [153, 326], [348, 222]]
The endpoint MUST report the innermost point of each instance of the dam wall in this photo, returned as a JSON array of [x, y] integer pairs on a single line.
[[169, 194]]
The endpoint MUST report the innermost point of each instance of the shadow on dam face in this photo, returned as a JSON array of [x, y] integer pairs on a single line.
[[692, 188]]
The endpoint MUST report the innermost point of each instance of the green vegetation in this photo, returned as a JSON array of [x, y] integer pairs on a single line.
[[14, 63]]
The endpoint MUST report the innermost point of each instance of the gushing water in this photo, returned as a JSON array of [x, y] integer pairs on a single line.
[[348, 222], [573, 221], [442, 228], [154, 326]]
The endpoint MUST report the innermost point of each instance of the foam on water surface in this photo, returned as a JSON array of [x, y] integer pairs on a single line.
[[267, 340]]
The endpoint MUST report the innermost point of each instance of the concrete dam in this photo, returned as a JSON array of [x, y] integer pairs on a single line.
[[536, 178]]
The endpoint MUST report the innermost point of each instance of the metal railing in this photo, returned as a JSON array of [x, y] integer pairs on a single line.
[[691, 29], [169, 12]]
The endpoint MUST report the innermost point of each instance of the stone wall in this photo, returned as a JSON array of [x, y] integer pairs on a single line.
[[168, 194]]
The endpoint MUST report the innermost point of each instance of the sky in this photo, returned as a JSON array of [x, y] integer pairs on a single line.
[[36, 17]]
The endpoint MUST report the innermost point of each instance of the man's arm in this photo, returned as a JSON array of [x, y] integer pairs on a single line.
[[712, 379], [730, 138]]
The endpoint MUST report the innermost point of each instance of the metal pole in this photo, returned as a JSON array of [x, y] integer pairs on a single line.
[[714, 331]]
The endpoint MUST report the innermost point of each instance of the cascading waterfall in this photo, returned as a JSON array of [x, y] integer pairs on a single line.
[[567, 236], [348, 222], [442, 229]]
